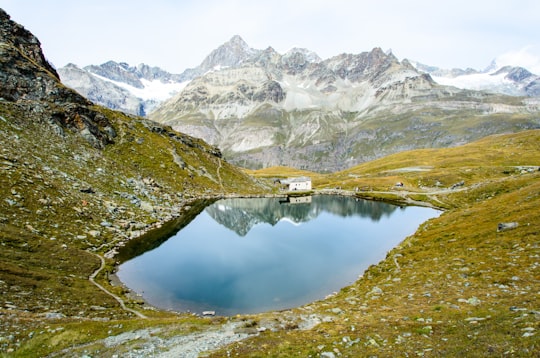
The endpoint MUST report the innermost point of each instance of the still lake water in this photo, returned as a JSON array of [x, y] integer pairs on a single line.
[[256, 255]]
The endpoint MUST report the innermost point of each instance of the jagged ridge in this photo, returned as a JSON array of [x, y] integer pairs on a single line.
[[297, 110]]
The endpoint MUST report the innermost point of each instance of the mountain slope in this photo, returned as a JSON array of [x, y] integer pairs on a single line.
[[267, 109], [78, 179]]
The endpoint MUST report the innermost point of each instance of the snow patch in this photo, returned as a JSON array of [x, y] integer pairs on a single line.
[[475, 81], [153, 90]]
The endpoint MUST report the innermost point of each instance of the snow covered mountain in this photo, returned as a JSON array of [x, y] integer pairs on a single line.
[[496, 78], [263, 108], [136, 90], [139, 89]]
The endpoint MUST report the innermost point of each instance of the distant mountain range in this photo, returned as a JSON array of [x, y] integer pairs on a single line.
[[135, 90], [510, 80], [140, 89], [263, 108]]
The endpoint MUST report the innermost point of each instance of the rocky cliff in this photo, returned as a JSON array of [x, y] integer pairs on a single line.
[[30, 82]]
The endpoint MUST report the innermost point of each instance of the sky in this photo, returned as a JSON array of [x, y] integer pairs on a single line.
[[176, 35]]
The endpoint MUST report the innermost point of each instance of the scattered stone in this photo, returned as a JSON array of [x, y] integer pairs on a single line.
[[473, 301], [44, 201], [507, 226], [372, 342], [514, 308], [146, 206], [376, 291], [10, 202], [88, 190], [54, 315], [328, 355], [457, 185], [94, 233], [31, 229], [106, 224], [474, 320]]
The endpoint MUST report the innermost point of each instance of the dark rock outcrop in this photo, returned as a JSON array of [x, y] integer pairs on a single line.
[[30, 82], [270, 91]]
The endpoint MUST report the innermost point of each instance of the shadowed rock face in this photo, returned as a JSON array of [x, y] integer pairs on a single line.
[[33, 84], [22, 40]]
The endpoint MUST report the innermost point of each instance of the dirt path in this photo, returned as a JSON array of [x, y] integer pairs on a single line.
[[118, 299], [219, 175]]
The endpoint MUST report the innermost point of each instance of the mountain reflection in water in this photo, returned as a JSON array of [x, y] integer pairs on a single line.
[[240, 215], [245, 256]]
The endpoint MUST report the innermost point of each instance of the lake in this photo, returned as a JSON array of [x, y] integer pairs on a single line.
[[254, 255]]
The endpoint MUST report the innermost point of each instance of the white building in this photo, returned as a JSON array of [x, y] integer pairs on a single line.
[[296, 184]]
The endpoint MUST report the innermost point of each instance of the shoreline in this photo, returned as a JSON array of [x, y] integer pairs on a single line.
[[136, 298]]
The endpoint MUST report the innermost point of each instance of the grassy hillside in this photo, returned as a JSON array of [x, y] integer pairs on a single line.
[[64, 201], [457, 287]]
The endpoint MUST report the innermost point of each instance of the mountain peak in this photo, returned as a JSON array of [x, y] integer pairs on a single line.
[[237, 40], [231, 53], [309, 55]]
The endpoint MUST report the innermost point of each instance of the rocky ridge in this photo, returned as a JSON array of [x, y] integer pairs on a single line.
[[265, 109]]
